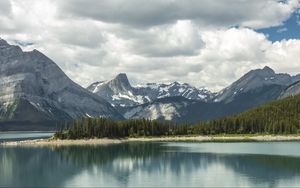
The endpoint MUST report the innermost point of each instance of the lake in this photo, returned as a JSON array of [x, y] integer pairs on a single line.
[[161, 164], [23, 135]]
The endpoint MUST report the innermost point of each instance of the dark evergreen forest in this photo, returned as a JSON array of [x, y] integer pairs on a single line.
[[278, 117]]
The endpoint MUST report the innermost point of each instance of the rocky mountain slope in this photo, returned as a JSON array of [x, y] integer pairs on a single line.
[[34, 89], [255, 80], [292, 90], [169, 108]]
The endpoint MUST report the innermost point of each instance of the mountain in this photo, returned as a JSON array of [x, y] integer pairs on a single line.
[[120, 93], [256, 80], [253, 89], [169, 108], [34, 90]]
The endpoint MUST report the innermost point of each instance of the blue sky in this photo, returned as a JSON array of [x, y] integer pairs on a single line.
[[290, 29]]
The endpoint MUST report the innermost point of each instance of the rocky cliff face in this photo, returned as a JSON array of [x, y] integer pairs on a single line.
[[34, 88]]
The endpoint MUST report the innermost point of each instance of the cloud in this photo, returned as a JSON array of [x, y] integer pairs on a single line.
[[145, 13], [5, 7], [73, 33], [5, 13], [226, 55], [283, 56], [180, 39], [189, 41], [281, 30], [230, 53]]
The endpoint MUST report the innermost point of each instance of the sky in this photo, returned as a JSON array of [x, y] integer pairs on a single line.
[[208, 43]]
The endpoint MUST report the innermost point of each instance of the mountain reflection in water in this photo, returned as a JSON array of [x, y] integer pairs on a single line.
[[145, 164]]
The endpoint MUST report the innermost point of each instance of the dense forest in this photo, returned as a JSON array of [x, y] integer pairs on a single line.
[[278, 117], [108, 128]]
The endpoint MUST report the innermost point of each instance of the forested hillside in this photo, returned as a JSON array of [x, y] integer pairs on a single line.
[[278, 117]]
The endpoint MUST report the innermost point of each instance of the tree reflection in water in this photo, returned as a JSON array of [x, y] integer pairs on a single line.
[[141, 163]]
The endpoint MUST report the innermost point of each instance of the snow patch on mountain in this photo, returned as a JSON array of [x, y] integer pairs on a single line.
[[163, 110], [119, 92]]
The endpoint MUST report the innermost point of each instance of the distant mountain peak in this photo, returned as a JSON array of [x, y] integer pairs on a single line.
[[122, 77], [254, 81], [3, 42], [120, 83], [269, 70], [266, 71], [119, 91]]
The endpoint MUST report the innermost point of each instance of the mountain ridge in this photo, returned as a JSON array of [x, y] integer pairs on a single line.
[[120, 92], [256, 87], [31, 83]]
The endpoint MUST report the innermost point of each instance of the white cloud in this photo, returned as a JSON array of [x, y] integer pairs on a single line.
[[5, 7], [281, 30], [230, 53], [180, 38], [189, 41], [283, 56], [254, 13]]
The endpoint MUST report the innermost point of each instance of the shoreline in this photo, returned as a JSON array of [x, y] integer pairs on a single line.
[[106, 141]]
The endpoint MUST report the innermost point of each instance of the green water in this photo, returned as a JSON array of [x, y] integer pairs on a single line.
[[270, 164], [23, 135]]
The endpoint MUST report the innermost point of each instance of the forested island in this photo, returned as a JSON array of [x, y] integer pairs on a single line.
[[278, 117]]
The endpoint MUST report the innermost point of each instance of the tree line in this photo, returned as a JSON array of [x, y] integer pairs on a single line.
[[278, 117], [108, 128]]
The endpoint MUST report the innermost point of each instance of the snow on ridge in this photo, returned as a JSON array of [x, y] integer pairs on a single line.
[[142, 93]]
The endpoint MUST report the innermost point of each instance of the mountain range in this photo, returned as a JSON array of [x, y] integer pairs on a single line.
[[35, 94], [185, 103], [120, 93]]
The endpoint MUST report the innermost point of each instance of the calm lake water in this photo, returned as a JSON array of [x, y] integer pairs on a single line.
[[271, 164], [17, 136]]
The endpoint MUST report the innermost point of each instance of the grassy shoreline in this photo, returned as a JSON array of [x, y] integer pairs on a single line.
[[190, 138]]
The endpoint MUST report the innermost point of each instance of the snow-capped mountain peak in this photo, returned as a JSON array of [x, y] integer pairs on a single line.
[[119, 91]]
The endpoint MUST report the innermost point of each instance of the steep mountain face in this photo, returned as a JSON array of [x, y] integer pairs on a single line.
[[255, 80], [120, 93], [33, 88], [292, 90]]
